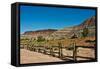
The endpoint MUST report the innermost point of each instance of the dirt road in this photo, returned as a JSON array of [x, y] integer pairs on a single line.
[[27, 56]]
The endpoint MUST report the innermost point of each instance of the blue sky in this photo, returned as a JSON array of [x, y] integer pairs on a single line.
[[36, 17]]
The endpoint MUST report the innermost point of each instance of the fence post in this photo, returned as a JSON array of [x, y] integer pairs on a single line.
[[51, 51], [74, 52], [60, 50]]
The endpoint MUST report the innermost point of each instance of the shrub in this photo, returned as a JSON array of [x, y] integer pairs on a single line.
[[85, 32], [40, 39]]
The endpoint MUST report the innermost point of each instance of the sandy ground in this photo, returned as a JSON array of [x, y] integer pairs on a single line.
[[34, 57], [27, 56]]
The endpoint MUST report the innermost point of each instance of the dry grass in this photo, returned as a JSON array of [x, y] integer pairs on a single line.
[[67, 42]]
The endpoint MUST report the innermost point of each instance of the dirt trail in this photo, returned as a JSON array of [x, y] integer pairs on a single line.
[[34, 57]]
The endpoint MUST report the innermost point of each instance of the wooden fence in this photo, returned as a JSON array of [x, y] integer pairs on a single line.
[[57, 51]]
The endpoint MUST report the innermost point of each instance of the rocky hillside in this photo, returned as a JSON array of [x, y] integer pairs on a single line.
[[66, 32], [89, 22], [69, 31], [37, 33]]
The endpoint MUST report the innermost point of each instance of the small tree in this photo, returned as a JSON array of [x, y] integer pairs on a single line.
[[40, 38], [85, 32]]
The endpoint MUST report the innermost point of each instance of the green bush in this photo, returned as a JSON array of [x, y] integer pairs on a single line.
[[40, 39], [85, 32]]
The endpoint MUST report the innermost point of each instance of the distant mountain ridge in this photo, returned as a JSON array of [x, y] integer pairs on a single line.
[[44, 32], [65, 32]]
